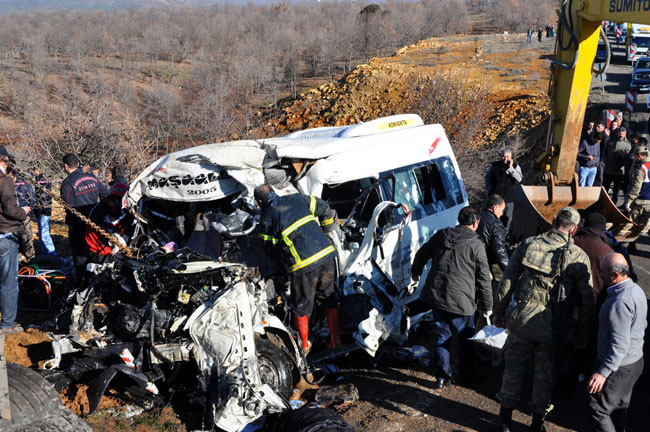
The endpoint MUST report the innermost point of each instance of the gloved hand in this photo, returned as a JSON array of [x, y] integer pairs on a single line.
[[627, 207]]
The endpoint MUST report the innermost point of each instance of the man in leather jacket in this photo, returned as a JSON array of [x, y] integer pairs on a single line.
[[493, 234]]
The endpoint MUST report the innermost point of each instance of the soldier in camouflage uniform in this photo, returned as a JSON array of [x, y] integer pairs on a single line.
[[638, 198], [524, 304]]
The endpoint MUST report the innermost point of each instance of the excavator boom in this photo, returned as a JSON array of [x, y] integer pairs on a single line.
[[575, 50]]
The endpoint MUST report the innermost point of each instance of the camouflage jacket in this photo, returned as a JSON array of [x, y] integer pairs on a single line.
[[526, 292], [637, 190]]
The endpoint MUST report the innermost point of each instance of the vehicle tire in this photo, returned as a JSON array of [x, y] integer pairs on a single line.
[[275, 367], [36, 406]]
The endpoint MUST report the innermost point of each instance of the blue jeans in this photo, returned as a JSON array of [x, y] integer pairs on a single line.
[[587, 175], [444, 324], [8, 280], [44, 236]]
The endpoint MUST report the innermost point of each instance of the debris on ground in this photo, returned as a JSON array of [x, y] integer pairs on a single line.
[[336, 395]]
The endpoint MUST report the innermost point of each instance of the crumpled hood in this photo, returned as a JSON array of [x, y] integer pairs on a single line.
[[454, 237]]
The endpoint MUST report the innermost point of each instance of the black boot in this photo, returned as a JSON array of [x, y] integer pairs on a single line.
[[537, 425], [504, 423]]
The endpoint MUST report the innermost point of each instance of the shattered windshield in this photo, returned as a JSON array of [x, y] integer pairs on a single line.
[[406, 190], [356, 198]]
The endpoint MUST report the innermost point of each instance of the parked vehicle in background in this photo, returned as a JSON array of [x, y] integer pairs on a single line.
[[642, 63], [601, 53], [640, 80], [637, 41]]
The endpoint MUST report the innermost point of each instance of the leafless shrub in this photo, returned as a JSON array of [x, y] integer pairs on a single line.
[[463, 110], [519, 15], [127, 85]]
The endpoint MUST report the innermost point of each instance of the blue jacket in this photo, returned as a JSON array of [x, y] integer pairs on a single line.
[[81, 191], [291, 224], [588, 149]]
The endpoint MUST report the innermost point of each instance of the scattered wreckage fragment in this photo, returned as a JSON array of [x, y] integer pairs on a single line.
[[154, 321], [149, 323]]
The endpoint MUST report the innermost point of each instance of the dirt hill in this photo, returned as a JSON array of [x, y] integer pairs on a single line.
[[514, 74]]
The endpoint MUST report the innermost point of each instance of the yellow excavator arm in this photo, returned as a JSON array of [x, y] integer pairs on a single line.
[[575, 50]]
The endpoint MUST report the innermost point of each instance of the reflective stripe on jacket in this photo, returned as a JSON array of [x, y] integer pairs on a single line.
[[293, 224]]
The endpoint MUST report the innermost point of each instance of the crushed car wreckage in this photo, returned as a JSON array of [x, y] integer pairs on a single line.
[[201, 302]]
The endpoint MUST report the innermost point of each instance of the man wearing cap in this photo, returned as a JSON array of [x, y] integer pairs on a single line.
[[525, 303], [110, 216], [82, 192], [616, 153], [638, 198], [11, 219]]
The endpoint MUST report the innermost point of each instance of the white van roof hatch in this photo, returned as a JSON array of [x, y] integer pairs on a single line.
[[312, 144]]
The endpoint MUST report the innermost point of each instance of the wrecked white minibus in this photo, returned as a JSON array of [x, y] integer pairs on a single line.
[[393, 182]]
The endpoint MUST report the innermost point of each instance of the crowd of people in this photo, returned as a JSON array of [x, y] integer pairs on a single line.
[[617, 158], [20, 202], [568, 298], [550, 33]]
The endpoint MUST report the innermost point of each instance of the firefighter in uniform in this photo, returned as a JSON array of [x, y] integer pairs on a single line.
[[80, 191], [638, 198], [292, 226], [524, 303]]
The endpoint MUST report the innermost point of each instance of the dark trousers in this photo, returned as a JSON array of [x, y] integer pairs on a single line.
[[613, 180], [311, 284], [445, 324], [507, 215], [600, 173], [609, 407], [76, 236]]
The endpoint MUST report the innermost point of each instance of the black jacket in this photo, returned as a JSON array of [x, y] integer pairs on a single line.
[[25, 193], [292, 224], [43, 205], [81, 191], [493, 234], [500, 181], [459, 269]]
